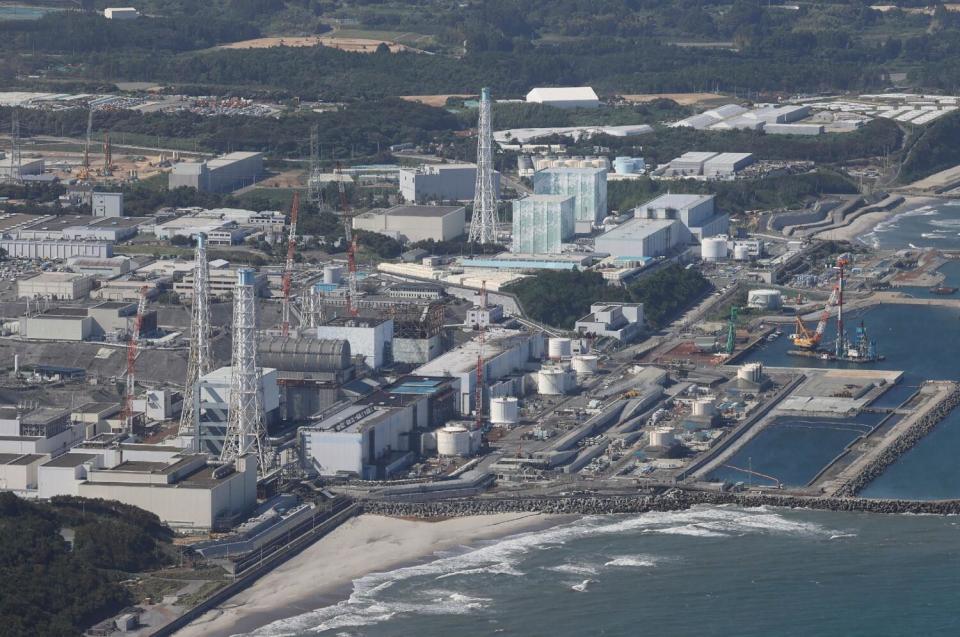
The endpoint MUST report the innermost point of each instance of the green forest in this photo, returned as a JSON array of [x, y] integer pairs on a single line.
[[560, 298], [48, 589]]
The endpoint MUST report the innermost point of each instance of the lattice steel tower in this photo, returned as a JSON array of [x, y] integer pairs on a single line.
[[315, 180], [201, 361], [246, 432], [483, 225], [16, 172]]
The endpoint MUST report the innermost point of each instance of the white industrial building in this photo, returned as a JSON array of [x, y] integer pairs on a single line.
[[223, 174], [190, 227], [565, 97], [587, 185], [542, 223], [441, 182], [696, 212], [222, 281], [709, 165], [68, 286], [27, 167], [107, 204], [110, 229], [41, 431], [368, 337], [211, 410], [113, 319], [643, 238], [54, 249], [415, 223], [622, 321], [106, 268], [121, 13]]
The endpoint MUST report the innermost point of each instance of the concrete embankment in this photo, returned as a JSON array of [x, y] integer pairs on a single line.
[[672, 500], [914, 434]]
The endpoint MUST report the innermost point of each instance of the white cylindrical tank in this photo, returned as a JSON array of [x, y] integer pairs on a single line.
[[713, 248], [332, 274], [552, 381], [661, 437], [559, 348], [504, 411], [751, 372], [453, 441], [585, 364], [765, 299], [741, 252], [703, 407]]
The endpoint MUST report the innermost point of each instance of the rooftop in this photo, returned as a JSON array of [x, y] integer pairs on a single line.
[[56, 224], [678, 201], [118, 222], [562, 93], [421, 211], [52, 277], [70, 460], [637, 228]]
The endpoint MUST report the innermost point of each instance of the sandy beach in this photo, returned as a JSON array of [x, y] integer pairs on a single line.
[[864, 224], [323, 573]]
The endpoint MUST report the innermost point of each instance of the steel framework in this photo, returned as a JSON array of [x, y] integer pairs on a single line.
[[315, 179], [16, 171], [246, 431], [200, 362], [483, 224], [133, 351], [288, 268]]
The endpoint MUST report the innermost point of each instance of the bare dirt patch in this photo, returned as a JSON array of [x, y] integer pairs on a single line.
[[355, 45]]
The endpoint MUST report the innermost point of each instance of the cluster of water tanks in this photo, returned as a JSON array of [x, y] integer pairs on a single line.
[[751, 372], [504, 410]]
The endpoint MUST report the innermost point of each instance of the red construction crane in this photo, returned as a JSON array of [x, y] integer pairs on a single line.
[[133, 350], [352, 308], [288, 269]]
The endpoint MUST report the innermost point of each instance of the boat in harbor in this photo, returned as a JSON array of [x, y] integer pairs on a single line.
[[943, 290]]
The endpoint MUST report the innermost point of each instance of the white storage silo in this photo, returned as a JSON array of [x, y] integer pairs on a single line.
[[662, 437], [713, 249], [332, 274], [751, 372], [504, 410], [585, 364], [703, 407], [765, 299], [552, 381], [559, 349], [741, 252], [453, 441]]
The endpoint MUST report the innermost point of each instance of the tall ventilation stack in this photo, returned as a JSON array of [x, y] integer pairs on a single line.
[[16, 171], [315, 180], [201, 361], [483, 225], [246, 433]]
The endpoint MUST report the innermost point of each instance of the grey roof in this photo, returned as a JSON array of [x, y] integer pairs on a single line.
[[70, 460], [421, 211]]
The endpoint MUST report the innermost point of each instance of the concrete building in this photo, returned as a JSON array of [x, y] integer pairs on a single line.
[[51, 228], [28, 168], [726, 165], [214, 403], [696, 212], [112, 320], [67, 286], [621, 321], [643, 238], [542, 223], [121, 13], [222, 283], [55, 249], [107, 204], [128, 289], [378, 436], [111, 229], [41, 431], [587, 185], [369, 337], [189, 227], [224, 174], [415, 223], [484, 317], [441, 182], [106, 268], [18, 471], [565, 97]]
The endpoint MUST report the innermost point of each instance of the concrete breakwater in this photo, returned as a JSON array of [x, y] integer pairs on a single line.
[[914, 434], [672, 500]]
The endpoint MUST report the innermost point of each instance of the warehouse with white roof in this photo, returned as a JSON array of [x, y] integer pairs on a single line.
[[564, 97]]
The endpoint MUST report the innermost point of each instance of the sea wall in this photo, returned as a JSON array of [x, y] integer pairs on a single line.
[[914, 434]]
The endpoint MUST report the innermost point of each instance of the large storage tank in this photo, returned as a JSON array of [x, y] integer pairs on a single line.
[[585, 364], [552, 381], [765, 299], [559, 348], [504, 410], [713, 249], [703, 407], [751, 372], [662, 437], [454, 441], [332, 274], [741, 252]]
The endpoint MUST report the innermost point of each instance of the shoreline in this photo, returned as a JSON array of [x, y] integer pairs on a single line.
[[865, 224], [323, 574]]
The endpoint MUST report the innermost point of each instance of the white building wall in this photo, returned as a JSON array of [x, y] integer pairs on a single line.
[[372, 343], [54, 481], [52, 249], [333, 451], [107, 204]]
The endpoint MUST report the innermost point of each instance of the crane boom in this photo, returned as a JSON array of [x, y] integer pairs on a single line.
[[288, 269], [352, 294], [133, 350]]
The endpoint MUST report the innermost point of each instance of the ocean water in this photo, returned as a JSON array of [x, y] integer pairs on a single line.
[[932, 226], [707, 571]]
